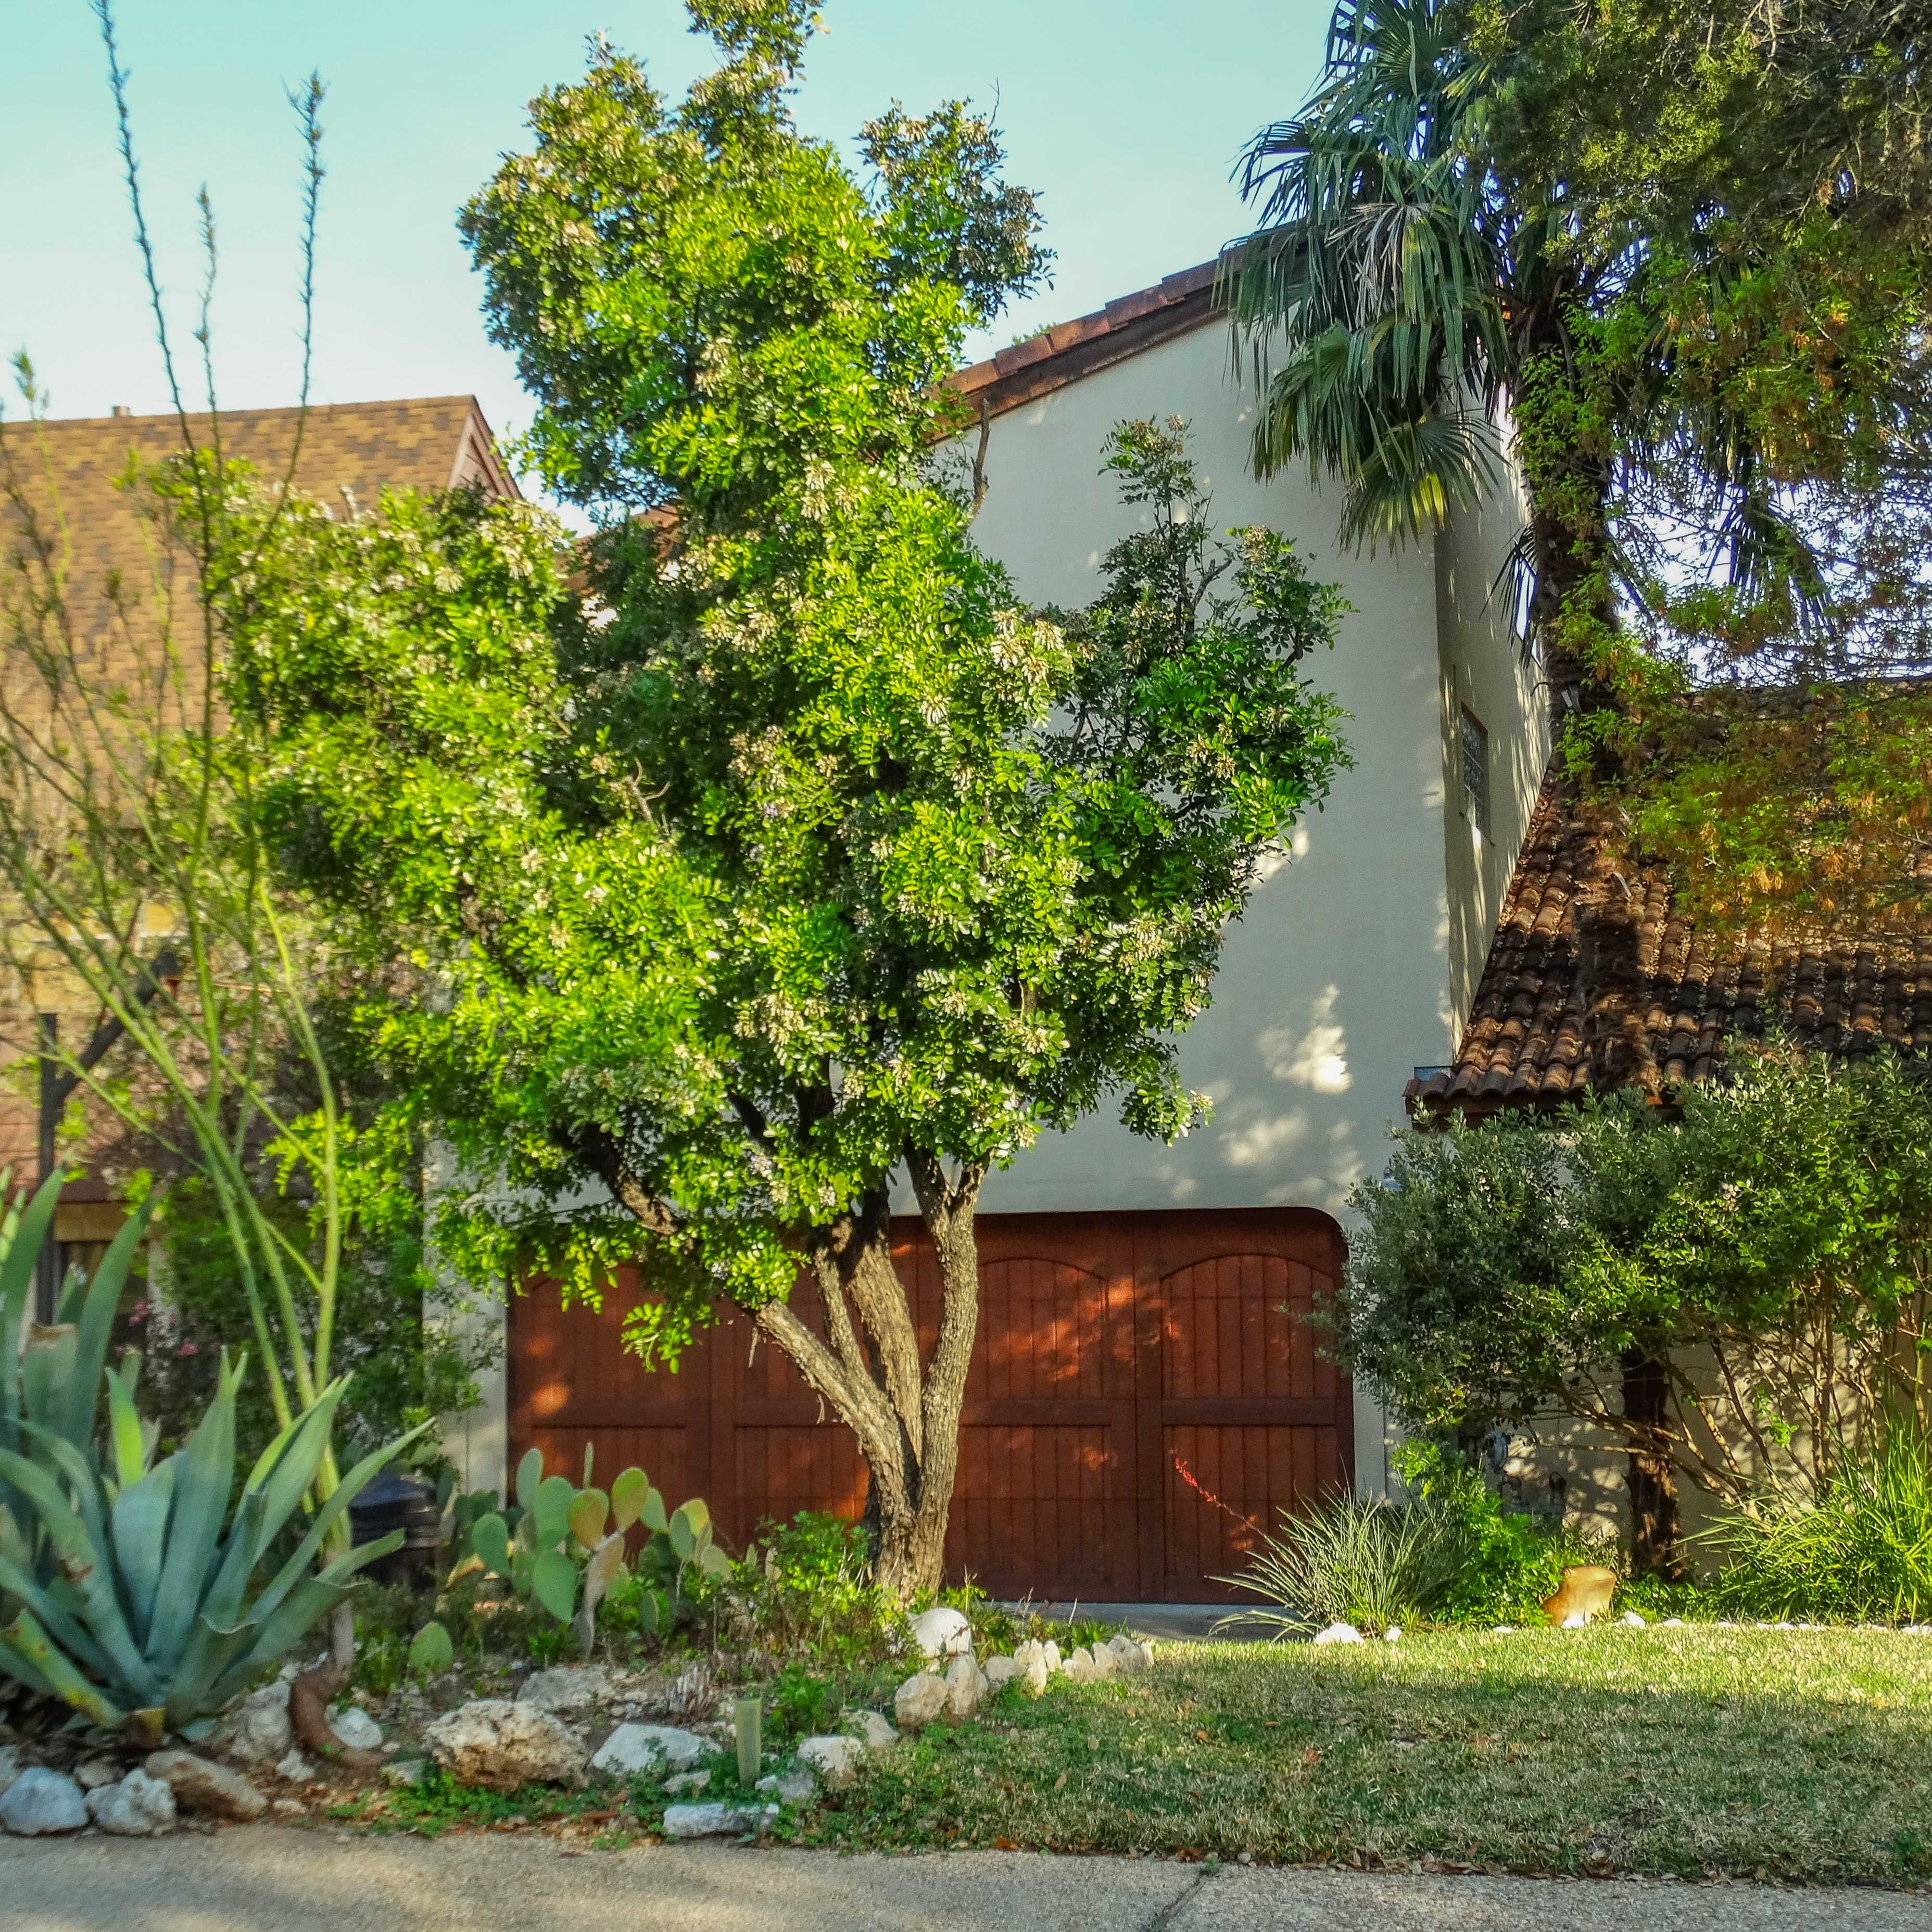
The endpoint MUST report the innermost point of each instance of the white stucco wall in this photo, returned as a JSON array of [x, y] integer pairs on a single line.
[[1338, 982]]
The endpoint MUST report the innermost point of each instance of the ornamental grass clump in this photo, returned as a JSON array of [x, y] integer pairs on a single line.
[[1858, 1547]]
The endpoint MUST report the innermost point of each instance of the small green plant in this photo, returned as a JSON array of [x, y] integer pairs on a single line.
[[564, 1548], [801, 1705], [129, 1588], [805, 1589], [1858, 1547], [1364, 1560]]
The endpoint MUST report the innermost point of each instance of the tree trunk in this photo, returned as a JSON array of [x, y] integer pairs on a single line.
[[903, 1408], [1653, 1483]]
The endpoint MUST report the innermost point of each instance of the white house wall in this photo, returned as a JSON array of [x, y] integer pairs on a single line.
[[1338, 980]]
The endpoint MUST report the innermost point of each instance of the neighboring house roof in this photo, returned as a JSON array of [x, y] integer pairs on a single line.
[[1070, 350], [1523, 1046], [59, 476]]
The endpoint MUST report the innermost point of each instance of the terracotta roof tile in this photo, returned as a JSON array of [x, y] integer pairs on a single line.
[[1523, 1044]]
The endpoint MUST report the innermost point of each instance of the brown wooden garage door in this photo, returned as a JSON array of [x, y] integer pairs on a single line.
[[1145, 1395]]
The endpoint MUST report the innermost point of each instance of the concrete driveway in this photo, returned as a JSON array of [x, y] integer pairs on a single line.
[[285, 1880]]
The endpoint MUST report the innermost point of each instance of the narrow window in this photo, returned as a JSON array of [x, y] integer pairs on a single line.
[[1475, 772]]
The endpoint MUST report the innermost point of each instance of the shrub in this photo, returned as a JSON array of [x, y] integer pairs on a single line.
[[801, 1705], [1860, 1546], [808, 1592]]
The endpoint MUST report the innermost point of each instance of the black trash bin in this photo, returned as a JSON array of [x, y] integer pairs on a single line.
[[390, 1502]]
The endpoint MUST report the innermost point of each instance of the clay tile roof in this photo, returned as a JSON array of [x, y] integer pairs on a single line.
[[1523, 1045], [1070, 350]]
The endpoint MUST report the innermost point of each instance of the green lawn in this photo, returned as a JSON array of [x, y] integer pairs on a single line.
[[1796, 1755]]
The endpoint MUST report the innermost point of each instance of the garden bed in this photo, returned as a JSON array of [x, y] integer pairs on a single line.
[[1698, 1752]]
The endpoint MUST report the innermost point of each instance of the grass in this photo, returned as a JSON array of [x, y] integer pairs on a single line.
[[1803, 1756]]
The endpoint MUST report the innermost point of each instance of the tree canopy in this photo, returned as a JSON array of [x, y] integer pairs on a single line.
[[782, 849]]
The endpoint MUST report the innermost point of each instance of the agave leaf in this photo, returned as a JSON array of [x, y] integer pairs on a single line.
[[589, 1510], [126, 1441], [209, 1651], [552, 1511], [490, 1543], [202, 1482], [221, 1602], [47, 1366], [554, 1584], [25, 1639], [68, 1631], [16, 1280], [140, 1526], [289, 1477], [628, 1493], [529, 1473], [344, 1493], [95, 1329]]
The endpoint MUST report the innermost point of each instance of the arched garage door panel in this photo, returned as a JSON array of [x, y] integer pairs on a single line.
[[1144, 1396]]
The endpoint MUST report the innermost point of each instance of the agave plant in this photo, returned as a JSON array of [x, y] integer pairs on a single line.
[[128, 1588]]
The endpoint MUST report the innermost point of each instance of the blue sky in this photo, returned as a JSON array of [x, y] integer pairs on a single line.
[[1125, 116]]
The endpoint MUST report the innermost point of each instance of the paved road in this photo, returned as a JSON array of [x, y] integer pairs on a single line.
[[282, 1880]]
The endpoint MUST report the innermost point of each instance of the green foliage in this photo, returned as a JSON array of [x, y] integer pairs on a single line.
[[1773, 1237], [799, 1704], [1859, 1548], [805, 1589], [129, 1588]]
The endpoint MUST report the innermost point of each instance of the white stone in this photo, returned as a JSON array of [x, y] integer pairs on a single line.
[[634, 1747], [356, 1728], [1502, 1629], [871, 1730], [709, 1821], [1632, 1620], [1034, 1669], [1079, 1666], [501, 1746], [1392, 1634], [569, 1688], [797, 1787], [918, 1701], [687, 1782], [1106, 1661], [40, 1801], [965, 1687], [1000, 1671], [1339, 1634], [294, 1768], [136, 1807], [406, 1771], [1671, 1623], [1576, 1620], [1054, 1661], [1133, 1655], [834, 1760], [260, 1731], [940, 1632]]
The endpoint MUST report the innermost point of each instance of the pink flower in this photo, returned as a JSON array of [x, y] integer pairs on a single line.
[[186, 1348], [139, 1313]]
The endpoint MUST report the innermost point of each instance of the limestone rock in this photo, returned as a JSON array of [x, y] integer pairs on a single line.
[[797, 1787], [940, 1633], [501, 1746], [356, 1728], [871, 1730], [836, 1760], [1392, 1634], [649, 1748], [713, 1820], [919, 1700], [405, 1771], [1106, 1662], [260, 1731], [570, 1687], [40, 1801], [965, 1687], [1133, 1654], [1338, 1633], [1576, 1620], [1034, 1668], [91, 1773], [688, 1782], [1633, 1620], [199, 1785], [1000, 1671], [293, 1766], [1054, 1661], [1080, 1665], [136, 1807]]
